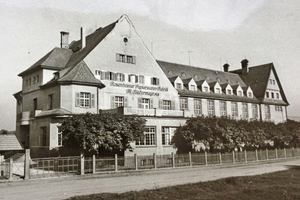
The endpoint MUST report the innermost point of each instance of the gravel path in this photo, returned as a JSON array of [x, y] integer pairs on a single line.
[[61, 188]]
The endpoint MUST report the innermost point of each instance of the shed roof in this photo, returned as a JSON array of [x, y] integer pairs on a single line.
[[9, 142]]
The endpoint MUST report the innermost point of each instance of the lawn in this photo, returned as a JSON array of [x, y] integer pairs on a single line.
[[278, 185]]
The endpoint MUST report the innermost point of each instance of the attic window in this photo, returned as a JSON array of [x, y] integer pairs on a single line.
[[249, 94], [240, 93], [125, 40], [218, 91], [170, 73], [196, 76], [183, 74]]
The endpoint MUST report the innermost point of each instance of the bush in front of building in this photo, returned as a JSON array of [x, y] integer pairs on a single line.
[[102, 132], [227, 134]]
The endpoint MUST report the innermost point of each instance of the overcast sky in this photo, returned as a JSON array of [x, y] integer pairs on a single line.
[[263, 31]]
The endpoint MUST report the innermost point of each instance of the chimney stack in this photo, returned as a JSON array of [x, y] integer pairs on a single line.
[[244, 66], [226, 67], [64, 39], [82, 34]]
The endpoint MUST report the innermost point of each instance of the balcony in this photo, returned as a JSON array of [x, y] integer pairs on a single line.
[[26, 116], [148, 112]]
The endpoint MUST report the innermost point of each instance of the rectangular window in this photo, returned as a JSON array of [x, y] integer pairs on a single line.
[[117, 101], [254, 111], [166, 105], [29, 81], [223, 110], [34, 79], [120, 57], [167, 134], [178, 85], [43, 136], [35, 104], [273, 82], [141, 79], [193, 88], [59, 139], [245, 110], [211, 107], [183, 103], [197, 107], [267, 94], [85, 100], [154, 81], [125, 58], [267, 112], [277, 95], [120, 77], [26, 82], [205, 89], [249, 94], [37, 78], [240, 93], [234, 110], [149, 137], [218, 91], [272, 94], [229, 92], [270, 81], [50, 101]]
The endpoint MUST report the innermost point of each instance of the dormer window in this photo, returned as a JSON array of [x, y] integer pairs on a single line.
[[249, 94], [240, 93], [277, 95], [229, 92], [178, 85], [205, 89], [218, 91], [267, 94], [193, 88]]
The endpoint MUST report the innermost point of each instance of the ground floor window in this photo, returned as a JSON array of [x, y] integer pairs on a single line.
[[118, 101], [145, 103], [43, 136], [167, 134], [245, 110], [267, 112], [211, 107], [149, 137], [254, 111], [183, 103]]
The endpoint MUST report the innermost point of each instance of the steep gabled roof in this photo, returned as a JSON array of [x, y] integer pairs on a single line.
[[9, 142], [55, 59], [257, 78], [92, 41], [202, 74]]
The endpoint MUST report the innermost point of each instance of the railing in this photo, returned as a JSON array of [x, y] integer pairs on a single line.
[[62, 166], [139, 111]]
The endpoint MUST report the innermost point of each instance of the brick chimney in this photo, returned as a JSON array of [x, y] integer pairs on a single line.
[[64, 39], [244, 66], [83, 39], [226, 67]]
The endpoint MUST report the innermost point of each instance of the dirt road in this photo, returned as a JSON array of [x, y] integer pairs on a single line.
[[61, 188]]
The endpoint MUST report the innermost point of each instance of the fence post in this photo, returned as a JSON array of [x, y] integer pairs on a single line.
[[276, 154], [81, 163], [220, 158], [154, 160], [173, 160], [256, 155], [116, 162], [135, 162], [293, 154], [205, 154], [284, 152], [27, 164], [246, 160], [233, 157], [267, 154], [190, 158], [94, 164], [11, 169]]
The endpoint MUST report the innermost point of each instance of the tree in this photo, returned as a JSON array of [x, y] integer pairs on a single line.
[[102, 132]]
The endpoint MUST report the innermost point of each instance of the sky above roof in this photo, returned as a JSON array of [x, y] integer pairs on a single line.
[[205, 33]]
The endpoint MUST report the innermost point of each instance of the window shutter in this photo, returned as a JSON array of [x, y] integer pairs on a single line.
[[106, 75], [117, 57], [93, 101], [136, 79], [172, 105], [112, 102], [123, 77], [160, 104], [133, 59], [129, 78], [125, 101], [140, 102], [151, 103], [77, 99], [102, 75], [157, 81]]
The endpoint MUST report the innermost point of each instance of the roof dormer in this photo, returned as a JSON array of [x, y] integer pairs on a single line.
[[177, 82], [215, 87], [227, 89], [238, 90], [203, 86], [248, 92], [190, 84]]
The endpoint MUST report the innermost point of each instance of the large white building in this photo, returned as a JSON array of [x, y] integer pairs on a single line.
[[112, 70]]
